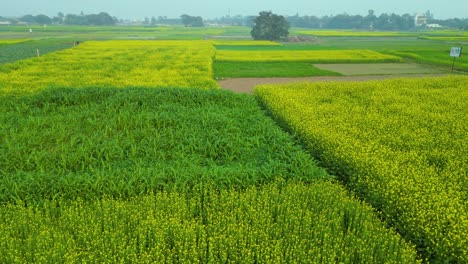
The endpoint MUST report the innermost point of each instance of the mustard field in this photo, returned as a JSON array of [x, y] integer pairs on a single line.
[[130, 151], [315, 56], [400, 144], [115, 64]]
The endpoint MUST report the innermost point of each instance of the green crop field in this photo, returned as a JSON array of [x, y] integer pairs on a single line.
[[95, 142], [435, 57], [267, 69], [124, 149], [98, 164], [13, 50]]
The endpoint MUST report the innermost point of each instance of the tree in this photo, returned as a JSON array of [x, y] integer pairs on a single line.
[[28, 19], [192, 21], [269, 26], [370, 19], [101, 19], [43, 19], [59, 18]]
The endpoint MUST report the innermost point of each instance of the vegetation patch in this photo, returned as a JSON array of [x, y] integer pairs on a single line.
[[268, 69], [378, 68], [94, 142], [243, 43], [314, 56], [293, 222], [400, 144], [352, 33], [433, 56], [18, 49], [115, 64]]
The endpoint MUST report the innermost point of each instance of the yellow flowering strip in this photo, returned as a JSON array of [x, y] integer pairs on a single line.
[[115, 64], [350, 33], [446, 38], [12, 41], [244, 43], [315, 56], [401, 144], [276, 223]]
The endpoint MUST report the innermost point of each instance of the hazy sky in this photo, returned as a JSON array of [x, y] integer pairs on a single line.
[[217, 8]]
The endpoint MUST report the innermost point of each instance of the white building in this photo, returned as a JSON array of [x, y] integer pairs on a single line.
[[420, 20]]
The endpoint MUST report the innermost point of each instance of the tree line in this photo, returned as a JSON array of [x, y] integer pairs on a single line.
[[101, 19], [370, 21]]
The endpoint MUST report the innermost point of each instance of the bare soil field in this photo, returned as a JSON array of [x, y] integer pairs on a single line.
[[378, 68], [246, 85]]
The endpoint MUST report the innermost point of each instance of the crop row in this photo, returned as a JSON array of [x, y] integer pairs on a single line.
[[447, 38], [432, 56], [123, 142], [11, 41], [279, 222], [244, 43], [115, 64], [351, 33], [315, 56], [23, 48], [400, 144]]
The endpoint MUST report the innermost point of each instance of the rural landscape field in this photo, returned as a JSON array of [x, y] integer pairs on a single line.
[[124, 144]]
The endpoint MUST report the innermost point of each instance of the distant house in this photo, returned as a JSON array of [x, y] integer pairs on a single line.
[[420, 20], [5, 23]]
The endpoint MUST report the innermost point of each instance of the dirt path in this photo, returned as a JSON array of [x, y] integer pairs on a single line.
[[246, 85]]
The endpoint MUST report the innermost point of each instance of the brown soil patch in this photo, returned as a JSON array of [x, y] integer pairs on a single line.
[[246, 85], [379, 68]]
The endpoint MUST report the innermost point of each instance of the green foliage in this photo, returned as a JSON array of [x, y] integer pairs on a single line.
[[279, 222], [436, 57], [268, 69], [400, 144], [124, 142], [269, 26], [101, 19], [192, 21], [28, 49]]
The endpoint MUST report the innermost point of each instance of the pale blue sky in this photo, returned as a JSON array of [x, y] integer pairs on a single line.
[[217, 8]]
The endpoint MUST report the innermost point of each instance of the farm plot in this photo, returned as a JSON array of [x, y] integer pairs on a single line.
[[115, 64], [265, 62], [378, 68], [400, 144], [314, 56], [105, 141], [18, 49], [351, 33], [178, 175], [277, 222], [433, 56]]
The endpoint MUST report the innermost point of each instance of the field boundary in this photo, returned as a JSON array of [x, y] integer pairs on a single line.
[[247, 85]]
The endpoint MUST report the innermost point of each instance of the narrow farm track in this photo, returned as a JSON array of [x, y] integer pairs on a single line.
[[246, 85]]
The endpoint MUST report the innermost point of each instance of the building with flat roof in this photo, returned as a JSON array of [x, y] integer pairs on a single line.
[[420, 20]]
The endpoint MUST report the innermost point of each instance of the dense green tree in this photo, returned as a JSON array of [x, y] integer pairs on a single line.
[[43, 19], [345, 21], [269, 26], [153, 21], [101, 19], [192, 21], [71, 19], [28, 19], [304, 21]]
